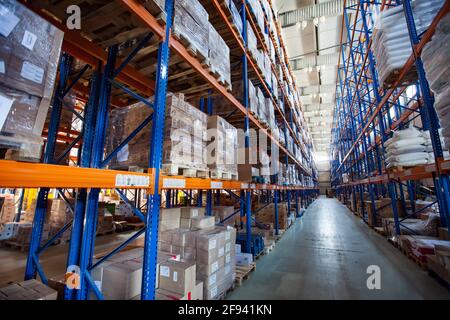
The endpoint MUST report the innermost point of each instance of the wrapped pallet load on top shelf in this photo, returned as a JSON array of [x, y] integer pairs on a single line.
[[191, 26], [222, 147], [437, 70], [392, 46], [236, 17], [219, 57], [29, 55]]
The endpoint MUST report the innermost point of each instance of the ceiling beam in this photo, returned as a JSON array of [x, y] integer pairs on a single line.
[[326, 9], [314, 61]]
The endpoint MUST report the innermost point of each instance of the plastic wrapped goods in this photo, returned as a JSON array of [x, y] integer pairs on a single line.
[[219, 55], [407, 148], [437, 70], [392, 46], [191, 24], [236, 17], [222, 147], [252, 45], [122, 122], [29, 55]]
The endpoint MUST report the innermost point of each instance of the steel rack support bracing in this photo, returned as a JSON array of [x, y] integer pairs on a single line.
[[33, 264], [73, 258], [153, 199]]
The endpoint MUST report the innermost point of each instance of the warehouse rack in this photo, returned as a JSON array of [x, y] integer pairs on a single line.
[[102, 82], [366, 115]]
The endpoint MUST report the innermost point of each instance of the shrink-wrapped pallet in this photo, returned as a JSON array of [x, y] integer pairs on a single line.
[[29, 55], [222, 148], [219, 56], [191, 25]]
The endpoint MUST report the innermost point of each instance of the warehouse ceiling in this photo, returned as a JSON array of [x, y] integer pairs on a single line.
[[311, 31]]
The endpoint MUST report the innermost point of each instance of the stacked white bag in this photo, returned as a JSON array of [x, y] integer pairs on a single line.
[[407, 148], [429, 146], [436, 62], [391, 41]]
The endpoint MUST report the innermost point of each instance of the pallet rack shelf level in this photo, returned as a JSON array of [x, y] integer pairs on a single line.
[[110, 72]]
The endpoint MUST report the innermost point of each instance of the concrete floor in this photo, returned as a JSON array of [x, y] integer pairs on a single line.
[[323, 256], [326, 255]]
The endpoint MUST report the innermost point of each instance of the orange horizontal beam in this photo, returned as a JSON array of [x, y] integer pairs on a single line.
[[15, 174], [34, 175]]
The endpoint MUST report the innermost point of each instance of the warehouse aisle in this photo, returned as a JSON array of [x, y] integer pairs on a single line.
[[325, 256]]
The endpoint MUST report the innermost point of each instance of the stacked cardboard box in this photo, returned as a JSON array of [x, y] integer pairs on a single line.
[[267, 215], [7, 208], [27, 290], [222, 212], [20, 232], [222, 147], [242, 258], [219, 56], [185, 136], [60, 215], [177, 278], [169, 219], [29, 56], [191, 25], [122, 122], [216, 261]]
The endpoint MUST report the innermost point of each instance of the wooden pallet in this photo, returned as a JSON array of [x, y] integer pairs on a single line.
[[222, 175], [243, 273], [191, 48], [15, 245], [185, 171]]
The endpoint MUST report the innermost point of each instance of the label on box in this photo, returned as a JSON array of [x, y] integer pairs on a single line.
[[29, 40], [164, 271], [215, 266], [32, 72], [212, 244], [228, 258], [227, 247], [8, 21], [194, 212], [2, 67], [175, 276], [216, 185], [221, 252], [174, 183], [244, 185], [6, 105], [212, 279]]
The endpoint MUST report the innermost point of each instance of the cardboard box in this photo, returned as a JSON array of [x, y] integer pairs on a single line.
[[203, 223], [170, 214], [28, 290], [162, 294], [165, 225], [192, 212], [184, 237], [177, 276], [185, 223], [244, 259], [122, 281]]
